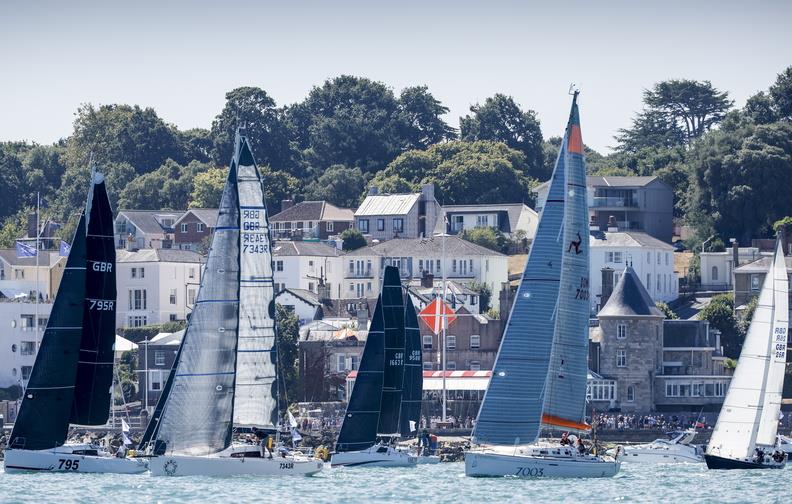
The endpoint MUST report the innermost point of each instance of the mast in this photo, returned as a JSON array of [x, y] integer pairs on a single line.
[[38, 286], [445, 323]]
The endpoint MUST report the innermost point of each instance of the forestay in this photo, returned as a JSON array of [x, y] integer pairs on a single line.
[[255, 401], [565, 391], [512, 407], [393, 371]]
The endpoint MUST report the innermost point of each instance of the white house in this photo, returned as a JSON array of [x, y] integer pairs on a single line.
[[307, 264], [717, 267], [465, 263], [387, 216], [19, 340], [156, 285], [18, 274], [512, 219], [652, 260], [139, 229]]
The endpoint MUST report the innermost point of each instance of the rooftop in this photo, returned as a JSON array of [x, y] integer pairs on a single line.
[[513, 211], [314, 211], [630, 299], [401, 247], [387, 204], [206, 215], [615, 181], [626, 239], [158, 255], [762, 265], [687, 334], [146, 220], [304, 248], [47, 258]]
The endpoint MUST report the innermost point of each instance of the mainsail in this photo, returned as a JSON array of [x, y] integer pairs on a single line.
[[750, 411], [511, 412], [92, 393], [43, 419], [359, 429], [412, 390], [565, 398], [393, 372]]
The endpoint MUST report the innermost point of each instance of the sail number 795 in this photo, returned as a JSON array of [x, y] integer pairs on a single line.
[[101, 304]]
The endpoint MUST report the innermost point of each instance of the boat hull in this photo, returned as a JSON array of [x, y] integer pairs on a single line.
[[653, 456], [491, 464], [428, 459], [55, 461], [715, 462], [181, 465], [376, 456]]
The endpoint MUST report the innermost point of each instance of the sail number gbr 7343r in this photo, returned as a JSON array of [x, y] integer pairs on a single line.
[[254, 233]]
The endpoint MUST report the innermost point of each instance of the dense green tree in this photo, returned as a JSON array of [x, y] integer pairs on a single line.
[[422, 122], [781, 93], [167, 187], [13, 227], [12, 181], [667, 311], [70, 198], [720, 315], [208, 188], [390, 184], [288, 335], [339, 185], [501, 119], [485, 294], [352, 239], [486, 237], [43, 169], [265, 125], [761, 109], [650, 129]]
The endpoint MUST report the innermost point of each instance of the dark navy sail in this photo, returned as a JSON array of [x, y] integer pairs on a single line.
[[393, 372], [43, 419], [412, 391], [359, 429], [92, 393]]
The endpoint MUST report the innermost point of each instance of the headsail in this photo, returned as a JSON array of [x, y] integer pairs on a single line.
[[43, 419], [393, 372], [511, 411], [412, 390], [749, 415], [255, 399], [565, 398], [359, 429], [92, 393]]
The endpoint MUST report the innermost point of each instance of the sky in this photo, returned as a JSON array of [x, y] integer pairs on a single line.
[[181, 57]]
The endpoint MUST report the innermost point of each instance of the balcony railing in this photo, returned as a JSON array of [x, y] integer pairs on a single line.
[[366, 273], [613, 202]]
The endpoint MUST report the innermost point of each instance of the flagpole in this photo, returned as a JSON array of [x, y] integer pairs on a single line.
[[38, 288]]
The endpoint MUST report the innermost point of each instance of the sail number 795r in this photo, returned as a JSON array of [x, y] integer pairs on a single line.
[[68, 464], [530, 472]]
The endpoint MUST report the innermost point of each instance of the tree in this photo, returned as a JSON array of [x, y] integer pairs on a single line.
[[782, 223], [288, 335], [486, 237], [14, 227], [339, 185], [501, 119], [353, 239], [485, 295], [265, 125], [650, 129], [781, 93], [761, 108], [208, 188], [422, 124], [278, 186], [667, 311], [693, 107], [12, 181], [70, 198], [720, 315], [167, 187]]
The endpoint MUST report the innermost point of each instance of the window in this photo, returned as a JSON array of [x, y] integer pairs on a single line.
[[191, 273], [657, 285], [311, 286], [482, 221], [475, 341], [172, 317], [191, 297], [453, 266], [658, 258], [427, 366], [363, 225], [368, 286], [450, 366], [613, 257], [621, 331], [27, 322], [474, 365], [621, 358], [137, 321], [19, 274], [755, 282], [155, 380], [667, 256], [648, 258], [329, 226], [134, 272], [199, 227], [310, 264], [380, 224], [398, 225], [427, 341], [354, 361], [27, 348], [672, 389], [714, 273], [184, 228], [340, 363], [26, 370], [173, 296], [450, 342], [648, 281], [630, 394], [278, 265], [299, 226], [142, 272], [159, 357], [137, 299]]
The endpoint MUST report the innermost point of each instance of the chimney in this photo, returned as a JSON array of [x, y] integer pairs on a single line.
[[323, 291], [31, 225], [427, 192], [287, 203], [593, 224], [612, 226], [735, 254], [504, 301], [427, 280], [362, 315], [373, 191], [607, 285]]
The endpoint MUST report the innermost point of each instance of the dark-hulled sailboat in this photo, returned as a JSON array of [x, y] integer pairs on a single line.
[[72, 377]]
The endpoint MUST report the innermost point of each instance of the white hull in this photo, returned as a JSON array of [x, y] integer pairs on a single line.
[[649, 455], [62, 459], [376, 456], [428, 459], [181, 465], [528, 463]]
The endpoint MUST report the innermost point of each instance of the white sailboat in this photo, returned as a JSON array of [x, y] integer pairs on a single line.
[[746, 432], [225, 376], [539, 377], [678, 449]]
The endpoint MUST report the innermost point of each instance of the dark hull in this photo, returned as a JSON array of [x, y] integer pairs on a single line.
[[714, 462]]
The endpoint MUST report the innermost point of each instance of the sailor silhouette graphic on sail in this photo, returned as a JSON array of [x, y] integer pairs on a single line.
[[576, 244]]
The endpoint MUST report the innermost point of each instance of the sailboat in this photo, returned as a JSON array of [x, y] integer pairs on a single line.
[[373, 418], [539, 376], [72, 376], [225, 375], [677, 449], [745, 433]]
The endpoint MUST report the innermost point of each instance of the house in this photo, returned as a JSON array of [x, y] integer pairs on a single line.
[[387, 216], [748, 280], [465, 263], [139, 229], [192, 230], [19, 340], [646, 363], [457, 294], [307, 265], [156, 285], [310, 219], [635, 203], [472, 342], [155, 361], [717, 268], [651, 259], [22, 276], [512, 219]]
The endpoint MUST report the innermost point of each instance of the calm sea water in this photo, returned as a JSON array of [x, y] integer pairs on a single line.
[[437, 483]]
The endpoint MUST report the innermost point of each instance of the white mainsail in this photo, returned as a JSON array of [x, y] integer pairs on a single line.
[[749, 416]]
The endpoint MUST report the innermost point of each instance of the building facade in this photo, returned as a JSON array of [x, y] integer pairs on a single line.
[[192, 231], [19, 340], [512, 219], [310, 220], [139, 229], [21, 276], [388, 216], [155, 361], [308, 265]]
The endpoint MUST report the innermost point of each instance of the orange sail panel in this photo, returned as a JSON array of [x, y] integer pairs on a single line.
[[566, 424]]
